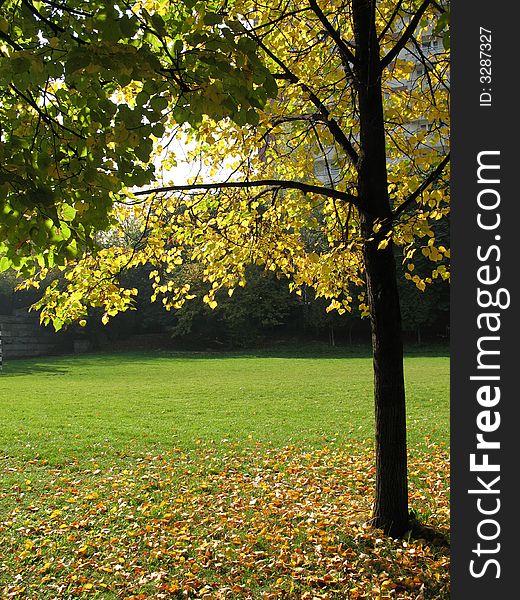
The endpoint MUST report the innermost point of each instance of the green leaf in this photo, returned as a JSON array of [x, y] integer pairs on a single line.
[[158, 130], [131, 118], [110, 30], [5, 263], [142, 98], [442, 22], [270, 86], [252, 117], [20, 65], [158, 23], [77, 61], [144, 150], [240, 117], [247, 45], [65, 231], [211, 18], [68, 213], [158, 103], [128, 26], [236, 26]]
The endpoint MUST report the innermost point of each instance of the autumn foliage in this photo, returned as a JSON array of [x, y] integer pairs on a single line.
[[263, 522]]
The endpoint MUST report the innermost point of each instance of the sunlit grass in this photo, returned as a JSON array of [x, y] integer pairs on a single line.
[[148, 476], [97, 405]]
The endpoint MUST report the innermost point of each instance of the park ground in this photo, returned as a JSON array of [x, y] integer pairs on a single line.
[[247, 475]]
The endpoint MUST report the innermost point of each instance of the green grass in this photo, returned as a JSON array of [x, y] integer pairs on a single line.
[[242, 476], [95, 406]]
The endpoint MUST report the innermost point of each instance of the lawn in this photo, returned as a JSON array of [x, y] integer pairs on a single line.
[[97, 405], [219, 476]]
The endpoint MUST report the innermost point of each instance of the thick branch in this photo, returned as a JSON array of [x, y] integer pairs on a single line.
[[408, 32], [345, 51], [433, 176], [276, 183]]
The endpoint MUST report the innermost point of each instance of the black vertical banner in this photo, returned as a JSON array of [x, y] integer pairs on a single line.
[[485, 364]]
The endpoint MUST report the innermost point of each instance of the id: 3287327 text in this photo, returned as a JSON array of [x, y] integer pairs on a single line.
[[486, 60]]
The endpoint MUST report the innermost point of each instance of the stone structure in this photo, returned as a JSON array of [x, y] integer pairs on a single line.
[[23, 336]]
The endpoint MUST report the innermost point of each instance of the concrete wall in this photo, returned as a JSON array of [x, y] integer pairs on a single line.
[[23, 336]]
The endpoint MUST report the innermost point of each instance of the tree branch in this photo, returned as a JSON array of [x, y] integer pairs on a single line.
[[390, 20], [408, 32], [44, 116], [276, 183], [433, 176], [11, 42], [346, 53], [57, 29], [332, 125], [68, 9], [310, 118]]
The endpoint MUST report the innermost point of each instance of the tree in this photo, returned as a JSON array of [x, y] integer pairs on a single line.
[[363, 91]]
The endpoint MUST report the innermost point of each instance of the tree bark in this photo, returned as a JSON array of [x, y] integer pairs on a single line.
[[332, 339], [391, 494]]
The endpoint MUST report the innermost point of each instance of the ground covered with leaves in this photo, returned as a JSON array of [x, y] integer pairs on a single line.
[[259, 522]]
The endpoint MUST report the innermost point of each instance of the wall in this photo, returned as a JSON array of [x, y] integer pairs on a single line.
[[22, 336]]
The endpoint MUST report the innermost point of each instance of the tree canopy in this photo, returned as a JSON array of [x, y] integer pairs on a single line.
[[86, 90], [104, 112]]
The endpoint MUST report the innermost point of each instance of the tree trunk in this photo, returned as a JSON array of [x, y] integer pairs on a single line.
[[332, 339], [391, 494]]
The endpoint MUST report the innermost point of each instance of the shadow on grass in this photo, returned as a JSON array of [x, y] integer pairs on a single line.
[[289, 351], [60, 365], [432, 548], [302, 351], [18, 367], [431, 535]]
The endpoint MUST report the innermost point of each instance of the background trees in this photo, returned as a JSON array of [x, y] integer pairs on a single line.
[[319, 184]]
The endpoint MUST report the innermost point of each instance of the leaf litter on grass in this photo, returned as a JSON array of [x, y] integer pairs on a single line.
[[251, 523]]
